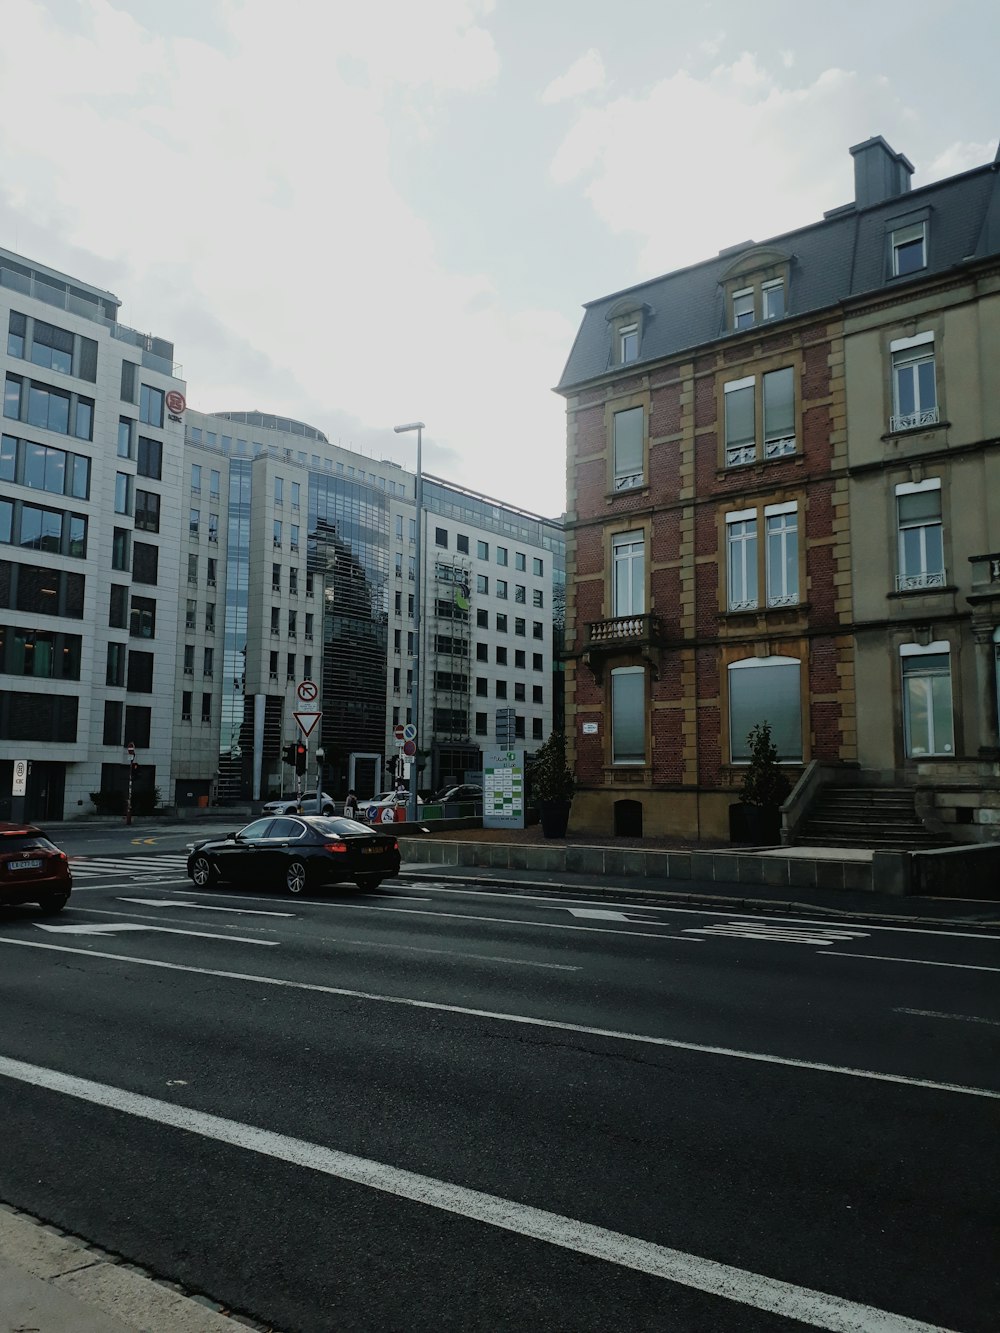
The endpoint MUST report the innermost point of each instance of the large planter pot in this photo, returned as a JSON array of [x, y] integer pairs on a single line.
[[554, 817], [755, 825]]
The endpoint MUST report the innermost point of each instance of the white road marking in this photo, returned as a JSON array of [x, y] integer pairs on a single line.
[[524, 1020], [689, 1270], [958, 1018], [201, 907], [110, 927], [451, 953], [760, 930], [599, 914], [922, 962], [709, 911]]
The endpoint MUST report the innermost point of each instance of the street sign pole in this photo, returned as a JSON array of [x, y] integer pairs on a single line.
[[131, 770]]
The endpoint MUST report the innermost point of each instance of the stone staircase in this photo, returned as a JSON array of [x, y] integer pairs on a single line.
[[880, 818]]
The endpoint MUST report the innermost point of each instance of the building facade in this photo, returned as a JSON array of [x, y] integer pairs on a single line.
[[757, 468], [90, 490]]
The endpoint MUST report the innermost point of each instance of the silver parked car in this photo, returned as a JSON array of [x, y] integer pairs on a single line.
[[289, 805]]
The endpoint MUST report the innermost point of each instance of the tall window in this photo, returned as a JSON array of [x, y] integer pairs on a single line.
[[150, 405], [628, 551], [782, 526], [773, 299], [927, 707], [628, 431], [628, 715], [741, 440], [741, 543], [914, 384], [779, 413], [921, 548], [765, 689], [628, 344], [743, 308]]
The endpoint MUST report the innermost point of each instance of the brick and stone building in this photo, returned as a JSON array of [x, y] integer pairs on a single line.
[[734, 497]]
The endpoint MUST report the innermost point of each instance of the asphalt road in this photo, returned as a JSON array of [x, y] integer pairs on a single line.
[[447, 1108]]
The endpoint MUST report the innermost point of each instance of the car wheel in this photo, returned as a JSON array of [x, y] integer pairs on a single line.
[[202, 872], [50, 906], [368, 881], [295, 878]]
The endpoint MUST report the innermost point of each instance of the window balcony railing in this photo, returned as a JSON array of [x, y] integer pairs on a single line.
[[641, 634], [925, 578], [928, 416], [746, 604], [779, 447], [739, 454]]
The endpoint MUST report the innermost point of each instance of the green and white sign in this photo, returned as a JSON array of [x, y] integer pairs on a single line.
[[503, 789]]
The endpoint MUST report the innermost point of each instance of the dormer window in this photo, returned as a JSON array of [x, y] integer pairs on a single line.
[[626, 321], [743, 308], [773, 299], [909, 249]]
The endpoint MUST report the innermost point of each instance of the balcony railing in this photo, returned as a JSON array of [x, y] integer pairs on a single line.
[[926, 578], [641, 634], [928, 416]]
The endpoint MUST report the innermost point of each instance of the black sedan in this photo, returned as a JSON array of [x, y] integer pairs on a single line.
[[300, 852]]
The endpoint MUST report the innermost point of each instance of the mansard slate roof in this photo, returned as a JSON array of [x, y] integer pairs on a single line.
[[843, 256]]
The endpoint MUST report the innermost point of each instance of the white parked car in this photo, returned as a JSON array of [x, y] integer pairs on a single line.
[[375, 808], [289, 805]]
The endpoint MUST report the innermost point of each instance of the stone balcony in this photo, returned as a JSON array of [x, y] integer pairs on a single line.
[[637, 636]]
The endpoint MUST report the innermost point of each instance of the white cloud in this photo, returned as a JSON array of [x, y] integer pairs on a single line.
[[959, 157], [241, 202], [694, 165], [585, 75]]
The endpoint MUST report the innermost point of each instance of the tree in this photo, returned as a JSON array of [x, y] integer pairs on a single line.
[[551, 779], [764, 783]]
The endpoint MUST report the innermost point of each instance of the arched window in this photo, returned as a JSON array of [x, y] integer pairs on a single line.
[[766, 689]]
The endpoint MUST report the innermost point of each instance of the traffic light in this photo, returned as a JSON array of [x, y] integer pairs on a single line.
[[300, 758], [288, 754]]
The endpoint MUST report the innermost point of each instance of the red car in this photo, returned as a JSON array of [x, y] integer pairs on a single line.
[[32, 869]]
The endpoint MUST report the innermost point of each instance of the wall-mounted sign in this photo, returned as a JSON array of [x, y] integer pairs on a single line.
[[590, 728], [176, 402]]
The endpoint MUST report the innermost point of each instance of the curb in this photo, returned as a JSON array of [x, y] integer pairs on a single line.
[[57, 1282], [770, 905]]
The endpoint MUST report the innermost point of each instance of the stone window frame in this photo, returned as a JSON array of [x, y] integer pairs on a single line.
[[730, 378], [752, 273], [627, 318], [625, 403]]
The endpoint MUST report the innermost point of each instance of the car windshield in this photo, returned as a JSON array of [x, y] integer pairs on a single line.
[[334, 826]]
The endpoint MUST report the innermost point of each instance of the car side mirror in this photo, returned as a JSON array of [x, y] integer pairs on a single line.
[[231, 837]]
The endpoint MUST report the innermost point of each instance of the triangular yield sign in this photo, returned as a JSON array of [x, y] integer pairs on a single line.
[[307, 722]]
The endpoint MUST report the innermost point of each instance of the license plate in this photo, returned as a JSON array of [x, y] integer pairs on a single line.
[[369, 851], [25, 865]]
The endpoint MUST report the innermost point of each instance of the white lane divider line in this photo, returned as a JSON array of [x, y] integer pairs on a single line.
[[524, 1020], [689, 1270], [958, 1018], [111, 927], [921, 962], [758, 930], [201, 907]]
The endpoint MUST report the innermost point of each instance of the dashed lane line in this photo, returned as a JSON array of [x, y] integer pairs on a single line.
[[523, 1020], [958, 1018], [723, 1281], [920, 962]]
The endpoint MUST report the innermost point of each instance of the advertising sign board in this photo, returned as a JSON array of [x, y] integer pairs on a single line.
[[503, 789]]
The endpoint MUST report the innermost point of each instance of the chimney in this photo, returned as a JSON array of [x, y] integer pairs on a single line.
[[879, 172]]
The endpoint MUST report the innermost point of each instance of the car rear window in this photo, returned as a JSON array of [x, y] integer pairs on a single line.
[[338, 826], [25, 842]]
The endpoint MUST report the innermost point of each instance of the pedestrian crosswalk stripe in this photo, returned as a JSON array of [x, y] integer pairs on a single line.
[[127, 865], [760, 930]]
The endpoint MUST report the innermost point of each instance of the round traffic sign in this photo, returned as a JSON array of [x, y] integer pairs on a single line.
[[371, 814], [409, 732], [398, 731], [307, 691], [409, 747], [388, 815]]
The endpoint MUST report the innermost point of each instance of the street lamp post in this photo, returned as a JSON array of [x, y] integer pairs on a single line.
[[411, 805]]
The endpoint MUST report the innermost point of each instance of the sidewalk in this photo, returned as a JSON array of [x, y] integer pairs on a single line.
[[54, 1283], [437, 859]]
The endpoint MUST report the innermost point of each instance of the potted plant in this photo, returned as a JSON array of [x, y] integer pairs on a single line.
[[552, 785], [756, 818]]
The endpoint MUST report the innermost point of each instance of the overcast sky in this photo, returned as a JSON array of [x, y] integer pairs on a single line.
[[361, 214]]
